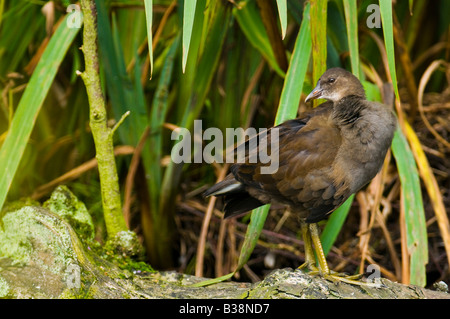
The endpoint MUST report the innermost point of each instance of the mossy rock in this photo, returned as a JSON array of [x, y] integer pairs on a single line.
[[65, 204], [41, 256]]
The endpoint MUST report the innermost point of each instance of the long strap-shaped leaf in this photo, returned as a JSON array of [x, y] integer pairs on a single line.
[[149, 19], [188, 23], [411, 197], [282, 12], [121, 90], [319, 40], [351, 21], [30, 104], [251, 24], [295, 76], [414, 217]]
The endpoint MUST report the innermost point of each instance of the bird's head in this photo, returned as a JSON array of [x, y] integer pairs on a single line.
[[335, 84]]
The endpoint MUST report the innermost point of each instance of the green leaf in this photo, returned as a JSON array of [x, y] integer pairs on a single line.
[[257, 220], [282, 12], [295, 75], [30, 104], [410, 184], [388, 32], [213, 280], [251, 24], [319, 39], [149, 17], [159, 109], [121, 90], [334, 225], [209, 61], [351, 19], [188, 23], [416, 229], [197, 42]]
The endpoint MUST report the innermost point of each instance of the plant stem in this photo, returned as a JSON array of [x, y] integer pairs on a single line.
[[102, 134]]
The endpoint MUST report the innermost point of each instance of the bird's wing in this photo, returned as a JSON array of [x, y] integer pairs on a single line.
[[307, 148]]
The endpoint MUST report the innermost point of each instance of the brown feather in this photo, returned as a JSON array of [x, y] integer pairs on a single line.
[[325, 155]]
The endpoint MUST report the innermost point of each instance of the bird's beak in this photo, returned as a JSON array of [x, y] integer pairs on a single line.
[[315, 94]]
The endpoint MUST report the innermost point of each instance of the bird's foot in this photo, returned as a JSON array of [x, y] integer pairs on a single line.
[[336, 277], [311, 237], [350, 279], [310, 267]]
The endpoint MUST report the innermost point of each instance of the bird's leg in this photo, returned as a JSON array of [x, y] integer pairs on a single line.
[[315, 237], [311, 236], [324, 270], [310, 260]]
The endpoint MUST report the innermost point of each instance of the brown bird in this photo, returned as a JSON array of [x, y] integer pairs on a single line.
[[324, 156]]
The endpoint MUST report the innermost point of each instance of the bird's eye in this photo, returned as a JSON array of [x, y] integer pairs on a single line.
[[331, 80]]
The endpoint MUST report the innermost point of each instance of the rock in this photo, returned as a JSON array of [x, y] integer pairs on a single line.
[[41, 256], [65, 204], [36, 249], [125, 244]]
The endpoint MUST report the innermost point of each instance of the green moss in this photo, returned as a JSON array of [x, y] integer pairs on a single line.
[[68, 294], [125, 251], [27, 230], [4, 288], [14, 243], [65, 204], [41, 241], [125, 243], [16, 205]]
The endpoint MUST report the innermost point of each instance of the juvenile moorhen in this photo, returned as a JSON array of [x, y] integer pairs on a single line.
[[325, 155]]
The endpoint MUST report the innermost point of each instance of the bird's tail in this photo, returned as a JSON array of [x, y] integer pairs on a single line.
[[237, 200], [227, 186]]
